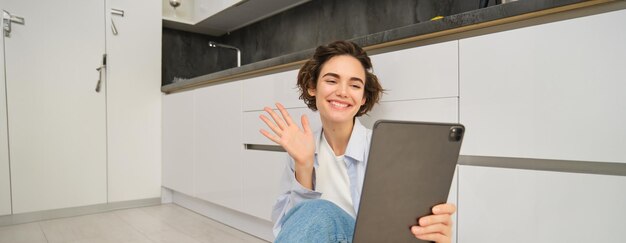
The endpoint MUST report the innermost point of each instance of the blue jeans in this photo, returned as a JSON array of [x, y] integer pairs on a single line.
[[316, 220]]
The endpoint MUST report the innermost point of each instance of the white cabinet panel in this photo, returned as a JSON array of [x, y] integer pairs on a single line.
[[134, 100], [5, 183], [262, 171], [432, 110], [509, 205], [178, 142], [252, 124], [551, 91], [263, 91], [218, 146], [56, 119], [417, 73], [453, 199]]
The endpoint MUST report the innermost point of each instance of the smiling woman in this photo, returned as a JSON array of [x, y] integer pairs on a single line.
[[322, 183]]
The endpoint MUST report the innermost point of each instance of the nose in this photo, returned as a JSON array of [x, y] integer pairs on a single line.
[[342, 90]]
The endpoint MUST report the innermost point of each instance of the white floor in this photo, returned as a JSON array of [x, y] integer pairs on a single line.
[[163, 223]]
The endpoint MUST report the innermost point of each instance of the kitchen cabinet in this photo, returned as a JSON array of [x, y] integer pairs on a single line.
[[56, 119], [178, 142], [71, 145], [512, 205], [419, 73], [262, 171], [552, 91], [429, 110], [266, 90], [5, 179], [218, 144]]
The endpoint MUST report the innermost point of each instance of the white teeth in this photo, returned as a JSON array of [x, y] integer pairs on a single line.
[[337, 104]]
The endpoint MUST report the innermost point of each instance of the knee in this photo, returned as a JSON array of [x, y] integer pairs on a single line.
[[320, 206]]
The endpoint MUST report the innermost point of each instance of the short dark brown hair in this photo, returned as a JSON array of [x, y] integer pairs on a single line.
[[309, 73]]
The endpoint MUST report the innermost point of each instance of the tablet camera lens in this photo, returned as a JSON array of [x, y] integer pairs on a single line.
[[456, 133]]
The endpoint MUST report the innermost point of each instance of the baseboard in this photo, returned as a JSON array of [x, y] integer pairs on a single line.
[[238, 220], [22, 218]]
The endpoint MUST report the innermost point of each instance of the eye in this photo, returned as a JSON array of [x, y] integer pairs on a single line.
[[356, 86], [332, 81]]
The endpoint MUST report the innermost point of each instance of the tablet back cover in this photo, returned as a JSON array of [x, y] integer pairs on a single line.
[[409, 170]]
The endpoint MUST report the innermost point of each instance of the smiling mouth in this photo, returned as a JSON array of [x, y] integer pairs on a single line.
[[339, 105]]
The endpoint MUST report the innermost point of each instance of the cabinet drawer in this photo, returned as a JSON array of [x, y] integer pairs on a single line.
[[263, 91], [178, 142], [217, 140], [417, 73], [252, 124], [511, 205], [558, 94], [262, 171], [432, 110]]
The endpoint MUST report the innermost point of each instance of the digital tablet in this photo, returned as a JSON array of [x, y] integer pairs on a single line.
[[409, 170]]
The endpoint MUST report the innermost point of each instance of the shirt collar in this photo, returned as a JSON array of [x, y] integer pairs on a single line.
[[356, 148]]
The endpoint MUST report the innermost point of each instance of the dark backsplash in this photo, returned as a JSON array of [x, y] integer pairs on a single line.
[[187, 55]]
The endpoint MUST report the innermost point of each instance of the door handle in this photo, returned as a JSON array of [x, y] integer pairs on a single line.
[[7, 19], [118, 12], [100, 69]]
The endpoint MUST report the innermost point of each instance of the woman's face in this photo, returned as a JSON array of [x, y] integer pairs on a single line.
[[340, 89]]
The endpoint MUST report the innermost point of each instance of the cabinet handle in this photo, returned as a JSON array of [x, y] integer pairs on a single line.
[[117, 12], [100, 69], [8, 19], [263, 147], [113, 28]]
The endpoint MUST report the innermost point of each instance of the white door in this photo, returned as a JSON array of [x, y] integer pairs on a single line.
[[134, 99], [5, 183], [56, 119]]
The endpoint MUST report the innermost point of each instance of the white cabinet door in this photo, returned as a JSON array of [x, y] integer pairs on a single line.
[[5, 179], [422, 72], [262, 91], [217, 143], [510, 205], [262, 171], [178, 142], [134, 100], [553, 91], [57, 121], [430, 110]]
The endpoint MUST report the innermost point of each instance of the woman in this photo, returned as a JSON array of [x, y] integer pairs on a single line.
[[324, 176]]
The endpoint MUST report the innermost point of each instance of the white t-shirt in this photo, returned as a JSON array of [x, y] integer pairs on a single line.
[[331, 178]]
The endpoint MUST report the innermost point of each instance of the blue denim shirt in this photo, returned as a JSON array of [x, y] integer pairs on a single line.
[[355, 157]]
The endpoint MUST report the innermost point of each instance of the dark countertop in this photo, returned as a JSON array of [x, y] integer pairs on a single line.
[[424, 30]]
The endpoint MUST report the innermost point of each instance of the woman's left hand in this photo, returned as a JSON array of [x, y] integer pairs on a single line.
[[436, 227]]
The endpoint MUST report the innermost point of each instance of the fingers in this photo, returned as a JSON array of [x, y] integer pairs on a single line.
[[271, 125], [435, 219], [435, 228], [270, 136], [436, 232], [445, 208], [284, 113], [439, 238], [305, 124], [279, 121]]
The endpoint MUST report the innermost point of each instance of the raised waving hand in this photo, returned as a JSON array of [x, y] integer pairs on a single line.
[[299, 143]]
